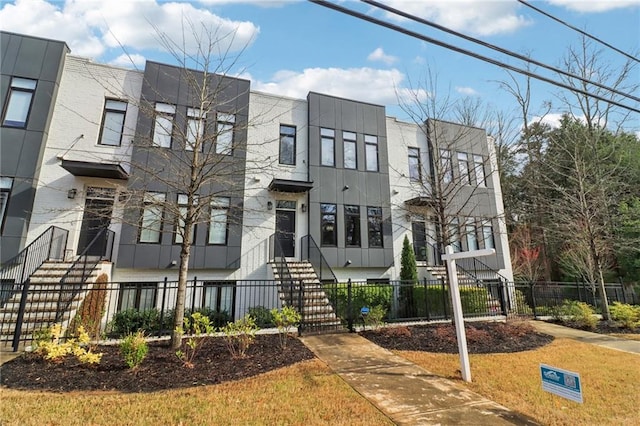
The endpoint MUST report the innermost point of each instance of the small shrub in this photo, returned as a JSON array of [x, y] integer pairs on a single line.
[[134, 349], [199, 327], [262, 316], [239, 335], [522, 307], [628, 316], [216, 318], [375, 317], [577, 314], [133, 320], [51, 348], [284, 319], [92, 308]]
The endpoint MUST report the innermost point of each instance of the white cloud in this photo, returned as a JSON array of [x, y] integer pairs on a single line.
[[379, 55], [468, 16], [468, 91], [594, 6], [90, 27], [129, 61], [361, 84]]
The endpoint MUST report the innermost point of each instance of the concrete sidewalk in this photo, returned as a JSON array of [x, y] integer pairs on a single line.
[[611, 342], [406, 393]]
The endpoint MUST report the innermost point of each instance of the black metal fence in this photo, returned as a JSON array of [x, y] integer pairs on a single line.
[[114, 309]]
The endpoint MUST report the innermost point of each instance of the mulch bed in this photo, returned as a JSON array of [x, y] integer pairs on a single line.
[[603, 327], [482, 337]]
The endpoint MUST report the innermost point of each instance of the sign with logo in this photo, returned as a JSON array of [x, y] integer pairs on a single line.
[[563, 383], [364, 311]]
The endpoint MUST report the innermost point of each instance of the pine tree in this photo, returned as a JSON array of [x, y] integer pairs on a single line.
[[408, 268]]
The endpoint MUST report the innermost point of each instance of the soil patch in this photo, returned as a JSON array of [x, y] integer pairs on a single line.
[[482, 337]]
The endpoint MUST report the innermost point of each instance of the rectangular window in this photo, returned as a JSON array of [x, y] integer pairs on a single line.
[[419, 232], [138, 296], [152, 212], [327, 147], [218, 221], [415, 167], [454, 235], [463, 168], [487, 235], [350, 150], [219, 297], [374, 223], [472, 238], [195, 129], [224, 135], [446, 166], [183, 202], [328, 225], [112, 122], [287, 145], [163, 128], [352, 226], [18, 103], [478, 168], [371, 152], [5, 190]]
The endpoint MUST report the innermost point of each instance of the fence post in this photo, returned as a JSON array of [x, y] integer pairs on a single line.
[[23, 302], [533, 300], [624, 296], [426, 302], [502, 291], [444, 299], [349, 307], [164, 294], [300, 306], [193, 295]]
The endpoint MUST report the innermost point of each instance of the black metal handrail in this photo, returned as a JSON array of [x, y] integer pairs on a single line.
[[311, 252], [276, 255], [72, 283]]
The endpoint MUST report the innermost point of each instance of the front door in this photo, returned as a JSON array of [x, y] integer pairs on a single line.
[[97, 215], [285, 232]]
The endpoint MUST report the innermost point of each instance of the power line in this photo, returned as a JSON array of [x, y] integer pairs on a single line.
[[422, 37], [497, 48], [633, 58]]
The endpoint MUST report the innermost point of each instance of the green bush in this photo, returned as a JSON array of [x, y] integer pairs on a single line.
[[262, 316], [361, 296], [628, 316], [199, 327], [433, 298], [284, 319], [522, 307], [217, 319], [376, 316], [132, 320], [239, 335], [577, 314], [134, 349]]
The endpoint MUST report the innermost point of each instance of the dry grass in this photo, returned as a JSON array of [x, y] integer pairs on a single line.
[[611, 382], [307, 393]]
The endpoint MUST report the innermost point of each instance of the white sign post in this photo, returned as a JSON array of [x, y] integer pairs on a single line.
[[450, 257]]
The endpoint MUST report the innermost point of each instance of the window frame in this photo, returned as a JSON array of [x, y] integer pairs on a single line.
[[284, 136], [161, 198], [352, 217], [471, 235], [488, 225], [454, 238], [327, 135], [478, 170], [371, 141], [217, 205], [6, 185], [224, 119], [182, 202], [139, 287], [371, 220], [463, 168], [446, 165], [165, 112], [416, 166], [197, 117], [14, 88], [334, 214], [417, 243], [349, 139], [108, 111], [218, 286]]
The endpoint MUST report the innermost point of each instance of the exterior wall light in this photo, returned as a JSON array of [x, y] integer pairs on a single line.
[[269, 205], [71, 194], [304, 208]]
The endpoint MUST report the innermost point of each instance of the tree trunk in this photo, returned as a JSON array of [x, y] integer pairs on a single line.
[[178, 319]]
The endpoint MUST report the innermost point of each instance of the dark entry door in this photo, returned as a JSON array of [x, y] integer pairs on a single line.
[[286, 232], [97, 215]]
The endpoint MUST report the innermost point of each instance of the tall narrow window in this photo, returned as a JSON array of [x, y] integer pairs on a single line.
[[371, 152], [415, 172], [487, 235], [151, 224], [195, 129], [18, 103], [224, 135], [219, 296], [163, 127], [5, 190], [218, 222], [350, 153], [112, 122], [183, 203], [327, 147], [352, 225], [454, 235], [328, 225], [446, 166], [374, 223], [463, 168], [419, 232], [138, 296], [478, 168], [472, 238], [287, 145]]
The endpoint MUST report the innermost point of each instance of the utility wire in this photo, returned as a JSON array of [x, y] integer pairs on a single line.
[[497, 48], [592, 37], [422, 37]]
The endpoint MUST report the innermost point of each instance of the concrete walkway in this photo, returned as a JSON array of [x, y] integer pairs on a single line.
[[603, 340], [406, 393]]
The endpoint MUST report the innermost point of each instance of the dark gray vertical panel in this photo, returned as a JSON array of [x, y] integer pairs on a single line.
[[30, 60], [10, 53]]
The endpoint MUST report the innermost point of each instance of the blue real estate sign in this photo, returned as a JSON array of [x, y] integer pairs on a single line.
[[561, 382]]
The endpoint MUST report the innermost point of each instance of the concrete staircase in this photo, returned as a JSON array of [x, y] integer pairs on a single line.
[[317, 313], [44, 295]]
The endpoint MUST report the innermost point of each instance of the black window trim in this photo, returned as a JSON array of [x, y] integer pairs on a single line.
[[8, 100], [105, 110], [295, 143]]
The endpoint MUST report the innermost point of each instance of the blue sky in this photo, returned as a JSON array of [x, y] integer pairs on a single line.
[[292, 47]]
